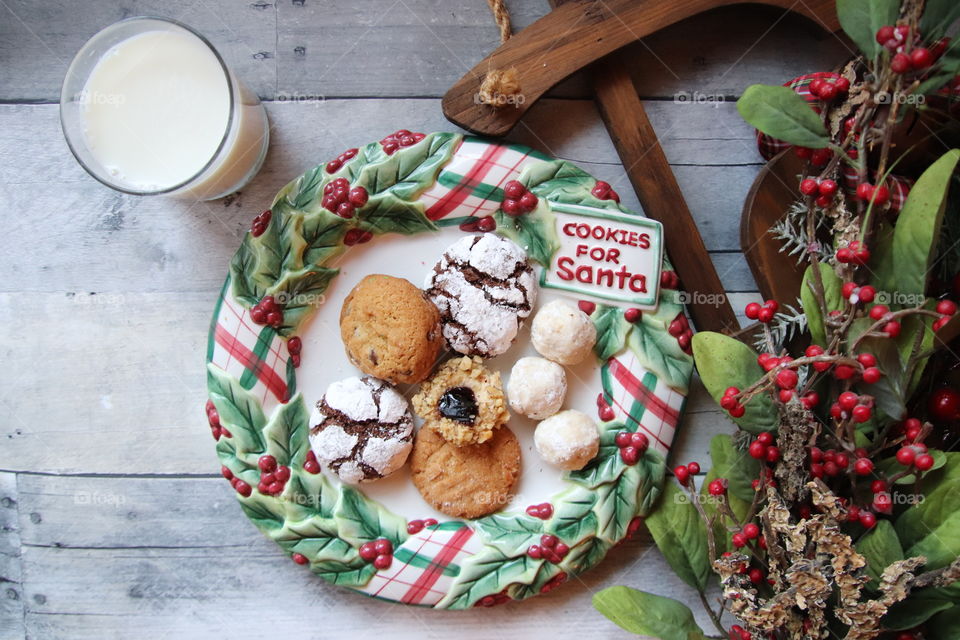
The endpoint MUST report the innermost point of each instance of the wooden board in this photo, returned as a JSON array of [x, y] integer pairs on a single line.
[[11, 575]]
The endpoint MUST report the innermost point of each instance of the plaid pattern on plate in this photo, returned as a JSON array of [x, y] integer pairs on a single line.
[[641, 400], [471, 184], [252, 353], [425, 565]]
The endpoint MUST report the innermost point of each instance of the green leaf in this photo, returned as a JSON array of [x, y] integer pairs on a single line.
[[286, 432], [606, 466], [316, 538], [306, 188], [811, 307], [938, 16], [310, 495], [616, 503], [656, 350], [612, 330], [941, 545], [647, 614], [945, 625], [889, 466], [939, 502], [737, 467], [586, 555], [884, 271], [265, 511], [386, 213], [573, 518], [355, 573], [511, 534], [239, 411], [652, 469], [861, 19], [881, 548], [360, 519], [724, 362], [535, 232], [487, 572], [681, 536], [922, 605], [408, 172], [243, 287], [323, 234], [779, 112], [917, 230], [300, 292]]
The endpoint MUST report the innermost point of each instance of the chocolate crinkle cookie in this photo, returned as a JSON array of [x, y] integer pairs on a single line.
[[484, 288], [361, 429]]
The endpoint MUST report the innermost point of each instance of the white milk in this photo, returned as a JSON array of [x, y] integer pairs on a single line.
[[155, 110]]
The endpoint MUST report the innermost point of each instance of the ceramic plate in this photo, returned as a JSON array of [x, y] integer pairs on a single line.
[[425, 192]]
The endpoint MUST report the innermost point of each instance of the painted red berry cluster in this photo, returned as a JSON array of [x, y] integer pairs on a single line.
[[267, 312], [669, 280], [334, 165], [213, 419], [554, 582], [603, 191], [605, 412], [680, 329], [544, 510], [400, 138], [294, 346], [311, 464], [517, 199], [340, 199], [587, 306], [260, 223], [632, 446], [416, 526], [379, 552], [549, 549], [273, 477], [474, 224], [241, 487], [493, 599]]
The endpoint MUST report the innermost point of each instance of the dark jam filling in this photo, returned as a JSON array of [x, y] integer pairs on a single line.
[[460, 404]]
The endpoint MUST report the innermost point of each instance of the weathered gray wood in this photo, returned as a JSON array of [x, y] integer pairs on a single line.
[[38, 40], [11, 579], [178, 556]]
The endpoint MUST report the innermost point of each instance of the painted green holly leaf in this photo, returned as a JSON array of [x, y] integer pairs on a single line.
[[563, 182], [737, 467], [286, 432], [652, 469], [544, 573], [616, 504], [681, 536], [316, 538], [242, 286], [511, 534], [406, 175], [606, 466], [573, 518], [586, 555], [305, 190], [724, 362], [612, 330], [940, 501], [300, 292], [917, 231], [647, 614], [265, 511], [832, 294], [881, 547], [659, 352], [861, 19], [535, 232], [368, 154], [355, 573], [362, 520], [487, 572], [310, 495], [779, 112], [386, 213], [239, 411], [323, 236]]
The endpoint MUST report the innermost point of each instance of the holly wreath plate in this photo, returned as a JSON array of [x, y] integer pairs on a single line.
[[423, 192]]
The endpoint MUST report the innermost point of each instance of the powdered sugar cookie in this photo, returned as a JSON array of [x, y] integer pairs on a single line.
[[568, 440], [361, 429], [537, 387], [484, 289]]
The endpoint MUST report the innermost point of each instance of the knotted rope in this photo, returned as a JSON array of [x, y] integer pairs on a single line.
[[500, 87]]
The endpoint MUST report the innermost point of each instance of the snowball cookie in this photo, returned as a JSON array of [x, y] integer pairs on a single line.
[[568, 440], [390, 330], [361, 429], [484, 288], [537, 387], [562, 333]]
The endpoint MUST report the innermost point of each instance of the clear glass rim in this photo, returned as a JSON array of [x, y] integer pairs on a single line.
[[64, 99]]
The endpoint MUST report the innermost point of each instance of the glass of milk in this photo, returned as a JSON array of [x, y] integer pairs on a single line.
[[148, 107]]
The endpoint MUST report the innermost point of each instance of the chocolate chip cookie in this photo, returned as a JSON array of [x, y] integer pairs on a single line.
[[391, 330]]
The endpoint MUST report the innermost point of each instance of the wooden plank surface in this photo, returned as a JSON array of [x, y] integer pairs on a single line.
[[113, 523]]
